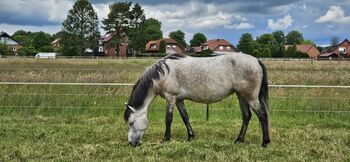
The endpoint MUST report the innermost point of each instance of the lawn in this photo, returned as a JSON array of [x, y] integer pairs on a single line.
[[85, 123]]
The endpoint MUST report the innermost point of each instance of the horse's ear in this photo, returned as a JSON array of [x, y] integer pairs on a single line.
[[131, 108]]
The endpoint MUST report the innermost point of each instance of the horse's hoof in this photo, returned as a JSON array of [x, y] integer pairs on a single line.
[[238, 141], [165, 139], [190, 138], [264, 144]]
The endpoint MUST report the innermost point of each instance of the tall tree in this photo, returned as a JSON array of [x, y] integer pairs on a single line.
[[136, 32], [41, 39], [198, 39], [117, 23], [278, 48], [152, 29], [294, 37], [24, 37], [279, 37], [334, 41], [246, 43], [81, 28], [179, 36]]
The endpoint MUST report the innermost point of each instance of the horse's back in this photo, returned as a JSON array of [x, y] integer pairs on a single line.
[[211, 79]]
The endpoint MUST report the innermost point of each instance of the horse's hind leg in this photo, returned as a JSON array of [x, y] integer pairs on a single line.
[[246, 115], [168, 120], [263, 118], [181, 107]]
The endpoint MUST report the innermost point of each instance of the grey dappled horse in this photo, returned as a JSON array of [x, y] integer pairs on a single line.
[[177, 77]]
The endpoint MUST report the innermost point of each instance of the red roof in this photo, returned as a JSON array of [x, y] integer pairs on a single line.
[[157, 44], [302, 48], [214, 43]]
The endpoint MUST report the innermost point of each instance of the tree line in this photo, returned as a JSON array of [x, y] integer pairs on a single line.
[[273, 44]]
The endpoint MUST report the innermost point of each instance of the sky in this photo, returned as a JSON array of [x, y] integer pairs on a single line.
[[318, 20]]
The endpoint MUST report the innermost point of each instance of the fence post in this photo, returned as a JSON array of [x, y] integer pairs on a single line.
[[207, 112]]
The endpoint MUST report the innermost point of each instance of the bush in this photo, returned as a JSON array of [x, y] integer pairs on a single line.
[[4, 49], [46, 49], [27, 51]]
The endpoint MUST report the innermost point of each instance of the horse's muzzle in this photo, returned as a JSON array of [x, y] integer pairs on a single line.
[[135, 144]]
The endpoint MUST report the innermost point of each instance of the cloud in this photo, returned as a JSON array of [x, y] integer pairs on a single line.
[[280, 24], [34, 12], [334, 14], [242, 25]]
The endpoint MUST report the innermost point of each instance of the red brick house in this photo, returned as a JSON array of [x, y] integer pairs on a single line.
[[10, 42], [217, 46], [107, 49], [172, 46], [309, 49], [342, 50]]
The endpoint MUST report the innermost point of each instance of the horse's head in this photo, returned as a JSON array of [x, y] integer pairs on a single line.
[[137, 122]]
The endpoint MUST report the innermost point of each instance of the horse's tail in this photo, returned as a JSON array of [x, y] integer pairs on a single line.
[[264, 96]]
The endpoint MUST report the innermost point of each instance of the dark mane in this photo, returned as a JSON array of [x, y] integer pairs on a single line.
[[141, 87]]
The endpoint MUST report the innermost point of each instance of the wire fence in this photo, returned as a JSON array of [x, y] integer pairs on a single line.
[[345, 109]]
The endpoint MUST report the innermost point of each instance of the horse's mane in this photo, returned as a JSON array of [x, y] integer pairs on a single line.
[[141, 87]]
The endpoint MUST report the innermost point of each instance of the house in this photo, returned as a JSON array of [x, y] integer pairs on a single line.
[[344, 48], [10, 42], [220, 46], [172, 46], [56, 44], [107, 48], [309, 49]]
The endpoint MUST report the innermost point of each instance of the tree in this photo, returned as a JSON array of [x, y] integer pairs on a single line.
[[291, 50], [179, 36], [81, 26], [136, 31], [198, 39], [152, 29], [246, 43], [162, 47], [41, 39], [117, 23], [278, 47], [334, 41], [308, 41], [24, 37], [279, 37], [294, 37]]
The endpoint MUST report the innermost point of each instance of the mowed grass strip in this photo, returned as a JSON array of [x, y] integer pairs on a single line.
[[70, 123]]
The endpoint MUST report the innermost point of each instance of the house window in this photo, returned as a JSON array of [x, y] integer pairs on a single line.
[[100, 49], [205, 47], [153, 46], [13, 48], [168, 46], [221, 47], [228, 48], [341, 50], [174, 46]]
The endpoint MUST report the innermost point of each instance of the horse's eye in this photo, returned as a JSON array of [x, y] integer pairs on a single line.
[[131, 123]]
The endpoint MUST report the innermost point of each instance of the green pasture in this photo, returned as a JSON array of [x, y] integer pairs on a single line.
[[85, 123]]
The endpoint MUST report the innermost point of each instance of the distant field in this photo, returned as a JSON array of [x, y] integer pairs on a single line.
[[69, 123]]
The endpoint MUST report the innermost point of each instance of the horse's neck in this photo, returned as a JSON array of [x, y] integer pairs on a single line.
[[148, 100]]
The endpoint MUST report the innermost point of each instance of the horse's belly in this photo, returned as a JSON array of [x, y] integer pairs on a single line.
[[206, 96]]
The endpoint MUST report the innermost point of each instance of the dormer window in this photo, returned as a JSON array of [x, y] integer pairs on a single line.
[[205, 47], [221, 47], [153, 46]]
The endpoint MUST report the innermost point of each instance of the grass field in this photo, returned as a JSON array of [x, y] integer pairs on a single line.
[[85, 123]]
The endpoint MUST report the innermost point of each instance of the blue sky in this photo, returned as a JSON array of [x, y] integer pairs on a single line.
[[318, 20]]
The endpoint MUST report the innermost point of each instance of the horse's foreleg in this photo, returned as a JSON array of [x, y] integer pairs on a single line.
[[246, 115], [181, 107], [263, 118], [168, 120]]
